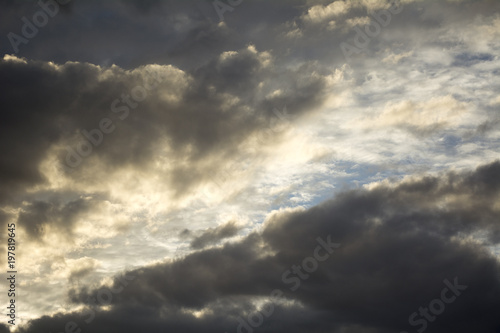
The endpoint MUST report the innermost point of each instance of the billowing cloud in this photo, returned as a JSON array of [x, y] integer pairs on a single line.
[[383, 253], [169, 165]]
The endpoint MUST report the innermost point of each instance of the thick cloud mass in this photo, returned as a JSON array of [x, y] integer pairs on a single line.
[[399, 242], [208, 113], [209, 149]]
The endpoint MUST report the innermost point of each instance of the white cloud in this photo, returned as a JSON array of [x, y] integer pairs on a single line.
[[320, 13]]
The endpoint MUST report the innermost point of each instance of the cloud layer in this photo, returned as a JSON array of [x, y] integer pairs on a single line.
[[203, 150], [399, 242]]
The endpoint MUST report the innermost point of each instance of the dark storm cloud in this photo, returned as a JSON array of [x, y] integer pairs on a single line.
[[134, 33], [399, 243], [214, 235], [45, 105], [37, 101], [130, 318], [127, 33], [188, 33]]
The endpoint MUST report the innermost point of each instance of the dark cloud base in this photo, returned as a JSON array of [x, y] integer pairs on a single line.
[[399, 242]]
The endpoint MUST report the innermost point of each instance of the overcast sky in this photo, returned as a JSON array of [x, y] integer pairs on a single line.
[[251, 166]]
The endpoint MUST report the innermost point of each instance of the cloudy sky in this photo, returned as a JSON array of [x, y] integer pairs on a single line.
[[251, 166]]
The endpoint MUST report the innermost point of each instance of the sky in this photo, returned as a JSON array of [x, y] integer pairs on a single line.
[[250, 166]]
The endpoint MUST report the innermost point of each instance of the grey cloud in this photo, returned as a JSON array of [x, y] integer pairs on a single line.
[[63, 101], [188, 34], [399, 243], [185, 233], [38, 112], [400, 240], [214, 235], [4, 328], [81, 272], [102, 26], [62, 215]]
